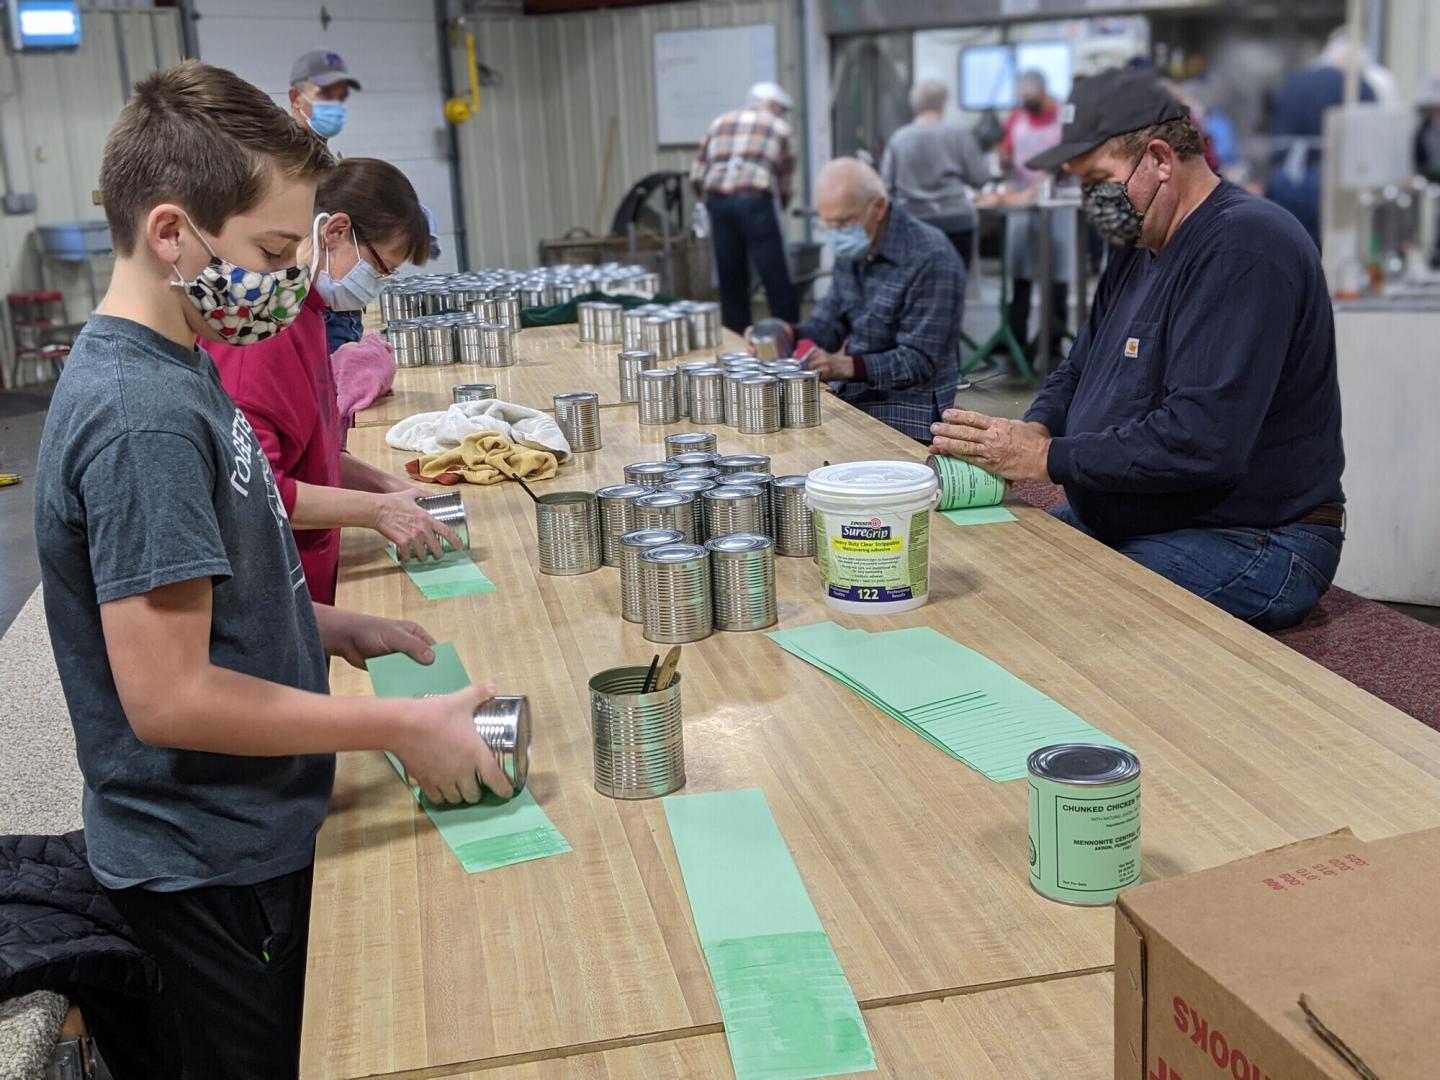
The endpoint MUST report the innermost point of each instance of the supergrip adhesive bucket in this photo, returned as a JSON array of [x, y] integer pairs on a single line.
[[872, 533], [964, 486], [1084, 822]]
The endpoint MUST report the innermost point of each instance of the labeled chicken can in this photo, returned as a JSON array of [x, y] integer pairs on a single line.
[[1084, 822]]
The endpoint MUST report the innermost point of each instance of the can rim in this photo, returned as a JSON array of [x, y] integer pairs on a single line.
[[1084, 764]]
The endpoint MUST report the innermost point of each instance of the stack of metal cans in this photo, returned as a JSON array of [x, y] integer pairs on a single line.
[[800, 399], [638, 737], [694, 487], [655, 336], [794, 523], [742, 575], [659, 396], [617, 517], [675, 591], [578, 415], [667, 510], [632, 545], [759, 405], [632, 363]]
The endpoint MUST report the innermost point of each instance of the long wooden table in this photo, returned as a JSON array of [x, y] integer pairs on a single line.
[[550, 360], [916, 864]]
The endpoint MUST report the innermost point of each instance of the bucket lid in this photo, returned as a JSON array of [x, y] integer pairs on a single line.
[[872, 479]]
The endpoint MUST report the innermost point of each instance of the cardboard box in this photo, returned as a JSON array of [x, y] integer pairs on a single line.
[[1319, 959]]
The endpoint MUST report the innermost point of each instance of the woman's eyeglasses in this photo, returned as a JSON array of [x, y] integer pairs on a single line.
[[386, 271]]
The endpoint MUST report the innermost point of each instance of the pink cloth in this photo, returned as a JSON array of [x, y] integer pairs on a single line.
[[364, 371]]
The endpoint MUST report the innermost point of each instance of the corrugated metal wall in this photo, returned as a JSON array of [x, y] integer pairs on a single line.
[[531, 162], [55, 111]]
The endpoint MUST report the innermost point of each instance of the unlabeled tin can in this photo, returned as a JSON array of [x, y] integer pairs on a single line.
[[694, 488], [731, 381], [659, 397], [697, 459], [794, 527], [504, 724], [677, 328], [448, 509], [733, 463], [408, 341], [759, 405], [705, 328], [632, 362], [742, 577], [439, 343], [781, 367], [632, 608], [689, 442], [504, 310], [632, 336], [650, 474], [760, 480], [617, 517], [707, 395], [607, 323], [639, 737], [497, 345], [1084, 822], [585, 320], [568, 525], [667, 510], [391, 306], [800, 399], [467, 342], [655, 336], [477, 391], [727, 359], [736, 508], [693, 472], [675, 594], [686, 372], [578, 415]]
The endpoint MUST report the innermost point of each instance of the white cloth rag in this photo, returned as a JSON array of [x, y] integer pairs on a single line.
[[436, 432]]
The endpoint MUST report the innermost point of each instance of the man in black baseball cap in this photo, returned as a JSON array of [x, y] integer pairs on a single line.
[[1195, 424], [319, 88]]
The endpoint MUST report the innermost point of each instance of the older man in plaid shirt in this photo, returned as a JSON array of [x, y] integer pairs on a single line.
[[745, 172], [887, 331]]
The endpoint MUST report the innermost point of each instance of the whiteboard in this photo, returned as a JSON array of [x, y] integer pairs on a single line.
[[701, 73]]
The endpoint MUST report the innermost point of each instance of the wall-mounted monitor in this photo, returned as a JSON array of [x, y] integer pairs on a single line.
[[43, 24]]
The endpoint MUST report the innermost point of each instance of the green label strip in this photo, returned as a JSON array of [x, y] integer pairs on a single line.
[[788, 1008], [980, 515], [440, 579], [493, 832], [964, 703]]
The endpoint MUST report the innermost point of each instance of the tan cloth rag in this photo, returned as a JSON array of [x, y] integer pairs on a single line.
[[484, 458]]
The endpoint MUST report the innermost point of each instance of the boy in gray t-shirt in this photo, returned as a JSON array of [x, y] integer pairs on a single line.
[[193, 661]]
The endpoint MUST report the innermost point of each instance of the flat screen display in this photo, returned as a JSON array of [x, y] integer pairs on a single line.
[[44, 24]]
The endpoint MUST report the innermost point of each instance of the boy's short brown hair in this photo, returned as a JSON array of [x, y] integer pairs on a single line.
[[204, 138]]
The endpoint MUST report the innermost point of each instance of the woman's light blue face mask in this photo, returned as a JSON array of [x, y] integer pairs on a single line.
[[356, 290]]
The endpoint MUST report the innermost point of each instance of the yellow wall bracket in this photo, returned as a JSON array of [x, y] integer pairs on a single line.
[[459, 109]]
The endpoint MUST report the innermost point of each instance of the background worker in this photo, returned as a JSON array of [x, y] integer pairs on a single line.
[[745, 173]]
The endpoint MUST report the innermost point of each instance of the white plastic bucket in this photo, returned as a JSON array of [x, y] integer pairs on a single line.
[[872, 534]]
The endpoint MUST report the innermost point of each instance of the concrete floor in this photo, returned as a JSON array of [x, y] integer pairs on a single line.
[[22, 416]]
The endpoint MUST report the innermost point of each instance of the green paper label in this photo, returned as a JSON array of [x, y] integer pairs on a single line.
[[1084, 841]]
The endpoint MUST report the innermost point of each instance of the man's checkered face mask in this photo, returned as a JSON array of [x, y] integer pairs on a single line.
[[244, 307]]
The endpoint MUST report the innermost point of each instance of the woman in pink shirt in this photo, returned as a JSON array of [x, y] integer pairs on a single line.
[[369, 224]]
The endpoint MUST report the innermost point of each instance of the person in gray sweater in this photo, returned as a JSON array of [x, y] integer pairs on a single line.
[[931, 162]]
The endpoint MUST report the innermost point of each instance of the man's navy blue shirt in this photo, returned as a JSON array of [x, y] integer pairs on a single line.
[[1202, 390]]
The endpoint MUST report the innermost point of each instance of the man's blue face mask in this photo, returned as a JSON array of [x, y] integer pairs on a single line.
[[849, 242], [327, 118]]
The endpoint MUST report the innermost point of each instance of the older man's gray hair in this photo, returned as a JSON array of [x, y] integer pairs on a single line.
[[928, 95]]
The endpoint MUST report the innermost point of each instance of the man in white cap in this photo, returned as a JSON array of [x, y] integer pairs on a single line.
[[745, 172], [319, 88]]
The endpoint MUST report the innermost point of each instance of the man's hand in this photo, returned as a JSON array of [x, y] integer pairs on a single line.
[[831, 366], [1011, 449], [357, 637], [444, 754], [414, 533]]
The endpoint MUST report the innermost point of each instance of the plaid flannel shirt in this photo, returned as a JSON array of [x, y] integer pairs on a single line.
[[746, 151], [899, 311]]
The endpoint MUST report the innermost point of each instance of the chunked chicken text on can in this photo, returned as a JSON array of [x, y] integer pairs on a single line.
[[1084, 822]]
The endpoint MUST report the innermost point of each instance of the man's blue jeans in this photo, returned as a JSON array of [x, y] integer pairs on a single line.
[[1271, 578]]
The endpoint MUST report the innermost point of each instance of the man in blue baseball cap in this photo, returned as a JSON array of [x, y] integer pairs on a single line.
[[1195, 425], [319, 88]]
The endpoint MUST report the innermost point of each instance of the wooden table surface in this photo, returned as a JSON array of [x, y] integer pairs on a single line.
[[916, 864], [550, 360]]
